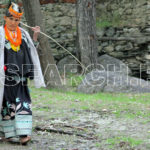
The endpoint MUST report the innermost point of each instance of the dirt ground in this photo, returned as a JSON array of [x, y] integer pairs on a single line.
[[84, 130]]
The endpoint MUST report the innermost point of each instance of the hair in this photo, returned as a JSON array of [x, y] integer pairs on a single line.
[[7, 13]]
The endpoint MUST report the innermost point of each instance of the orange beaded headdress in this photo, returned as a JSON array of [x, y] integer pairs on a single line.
[[14, 10]]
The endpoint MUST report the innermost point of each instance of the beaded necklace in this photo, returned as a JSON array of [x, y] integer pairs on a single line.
[[14, 37]]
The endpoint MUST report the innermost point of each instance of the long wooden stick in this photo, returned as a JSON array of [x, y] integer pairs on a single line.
[[57, 44], [64, 132]]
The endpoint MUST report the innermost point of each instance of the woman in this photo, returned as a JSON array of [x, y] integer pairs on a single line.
[[19, 61]]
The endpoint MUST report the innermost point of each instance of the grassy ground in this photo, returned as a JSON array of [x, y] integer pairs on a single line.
[[122, 105], [113, 121], [131, 109]]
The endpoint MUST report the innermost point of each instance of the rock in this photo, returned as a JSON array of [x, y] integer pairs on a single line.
[[108, 81], [69, 36], [132, 32], [73, 23], [109, 48], [50, 7], [64, 21], [109, 63], [57, 14], [55, 36], [104, 44], [67, 64], [100, 48], [148, 7], [126, 46], [119, 48], [148, 47], [117, 55], [129, 11], [129, 46], [72, 12], [100, 32], [147, 56], [110, 32], [147, 30], [50, 21]]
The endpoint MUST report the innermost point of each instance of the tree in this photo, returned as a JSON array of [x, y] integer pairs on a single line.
[[86, 32], [34, 17]]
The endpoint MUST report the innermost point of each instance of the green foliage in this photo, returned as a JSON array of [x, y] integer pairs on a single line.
[[74, 80], [103, 23], [108, 21], [74, 28], [98, 145]]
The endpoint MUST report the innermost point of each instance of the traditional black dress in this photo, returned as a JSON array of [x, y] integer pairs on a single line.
[[16, 108]]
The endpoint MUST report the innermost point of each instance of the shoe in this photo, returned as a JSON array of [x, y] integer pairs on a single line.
[[25, 140], [3, 139]]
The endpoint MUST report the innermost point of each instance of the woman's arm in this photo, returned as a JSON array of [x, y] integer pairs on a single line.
[[36, 30]]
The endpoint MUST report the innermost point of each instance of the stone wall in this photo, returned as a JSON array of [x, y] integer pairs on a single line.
[[126, 36], [131, 45], [60, 23], [124, 12], [117, 18]]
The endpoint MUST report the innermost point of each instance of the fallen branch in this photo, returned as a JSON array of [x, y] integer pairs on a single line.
[[64, 132], [69, 126]]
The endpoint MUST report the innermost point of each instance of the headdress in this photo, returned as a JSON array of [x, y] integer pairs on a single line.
[[14, 10]]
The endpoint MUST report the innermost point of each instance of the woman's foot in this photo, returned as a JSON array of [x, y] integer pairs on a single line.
[[5, 139], [25, 140]]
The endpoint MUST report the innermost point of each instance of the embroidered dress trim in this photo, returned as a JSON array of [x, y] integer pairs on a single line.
[[21, 125]]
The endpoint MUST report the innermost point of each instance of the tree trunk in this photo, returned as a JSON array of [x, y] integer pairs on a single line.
[[34, 18], [86, 32]]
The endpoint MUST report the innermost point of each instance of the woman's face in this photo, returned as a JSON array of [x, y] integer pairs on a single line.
[[12, 23]]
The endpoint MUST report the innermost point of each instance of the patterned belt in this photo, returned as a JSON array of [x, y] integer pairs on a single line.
[[16, 78], [19, 79]]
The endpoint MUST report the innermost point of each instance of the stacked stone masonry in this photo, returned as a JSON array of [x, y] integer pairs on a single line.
[[127, 38]]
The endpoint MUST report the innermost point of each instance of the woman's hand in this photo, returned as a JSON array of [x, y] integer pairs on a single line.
[[36, 31]]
